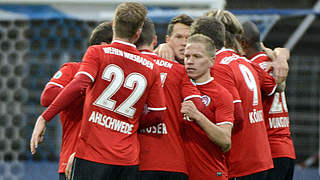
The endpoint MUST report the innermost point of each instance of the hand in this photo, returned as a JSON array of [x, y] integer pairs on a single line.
[[69, 166], [269, 52], [189, 110], [279, 58], [38, 134], [165, 51]]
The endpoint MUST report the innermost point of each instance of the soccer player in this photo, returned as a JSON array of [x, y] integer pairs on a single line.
[[205, 139], [275, 110], [178, 32], [162, 155], [117, 81], [71, 117], [250, 151]]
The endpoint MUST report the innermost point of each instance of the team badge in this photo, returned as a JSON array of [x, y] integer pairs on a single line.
[[206, 100], [57, 75]]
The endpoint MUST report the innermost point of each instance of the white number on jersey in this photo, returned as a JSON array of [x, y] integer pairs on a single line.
[[250, 81], [276, 106], [163, 77], [125, 108]]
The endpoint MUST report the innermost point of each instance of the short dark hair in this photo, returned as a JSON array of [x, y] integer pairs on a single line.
[[102, 33], [210, 27], [183, 19], [147, 34], [251, 33]]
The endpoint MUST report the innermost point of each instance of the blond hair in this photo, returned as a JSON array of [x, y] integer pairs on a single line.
[[232, 25], [206, 41], [129, 17]]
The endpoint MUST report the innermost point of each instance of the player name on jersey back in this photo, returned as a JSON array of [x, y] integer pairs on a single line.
[[143, 61], [111, 123], [279, 122], [158, 129]]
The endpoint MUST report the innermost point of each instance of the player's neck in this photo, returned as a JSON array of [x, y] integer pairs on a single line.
[[122, 39], [204, 78], [145, 47]]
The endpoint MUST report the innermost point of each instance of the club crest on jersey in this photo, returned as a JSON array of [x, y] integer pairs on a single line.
[[57, 75], [206, 100]]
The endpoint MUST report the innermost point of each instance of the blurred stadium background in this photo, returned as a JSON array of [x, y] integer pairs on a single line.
[[37, 36]]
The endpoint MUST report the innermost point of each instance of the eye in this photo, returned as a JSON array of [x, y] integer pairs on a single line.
[[197, 56], [179, 36]]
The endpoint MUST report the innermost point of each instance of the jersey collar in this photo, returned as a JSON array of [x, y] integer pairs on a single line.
[[125, 43], [223, 49], [257, 55], [203, 83], [148, 52]]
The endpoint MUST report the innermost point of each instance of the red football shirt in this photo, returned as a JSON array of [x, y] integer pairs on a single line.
[[123, 82], [70, 117], [276, 117], [161, 145], [250, 150], [204, 158]]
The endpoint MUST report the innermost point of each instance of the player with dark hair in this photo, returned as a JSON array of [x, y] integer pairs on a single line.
[[178, 32], [206, 139], [102, 33], [117, 82], [71, 117], [162, 155], [275, 110]]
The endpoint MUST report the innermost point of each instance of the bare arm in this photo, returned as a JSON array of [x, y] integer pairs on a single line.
[[220, 135]]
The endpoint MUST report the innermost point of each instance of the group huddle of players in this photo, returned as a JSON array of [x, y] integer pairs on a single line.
[[207, 104]]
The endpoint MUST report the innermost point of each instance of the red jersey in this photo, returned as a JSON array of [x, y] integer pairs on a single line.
[[161, 145], [123, 82], [238, 76], [204, 158], [70, 117], [276, 117]]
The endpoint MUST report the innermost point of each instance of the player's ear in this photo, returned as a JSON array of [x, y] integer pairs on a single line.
[[137, 35], [155, 41], [212, 61], [167, 38]]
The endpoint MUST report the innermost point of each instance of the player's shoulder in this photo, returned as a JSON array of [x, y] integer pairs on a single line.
[[71, 65], [221, 92], [260, 57]]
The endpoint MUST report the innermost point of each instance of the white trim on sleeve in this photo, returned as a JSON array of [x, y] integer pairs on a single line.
[[85, 73], [192, 96], [56, 84], [237, 101], [274, 90], [157, 109], [226, 122]]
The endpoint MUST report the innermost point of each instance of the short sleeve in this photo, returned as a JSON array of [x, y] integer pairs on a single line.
[[224, 76], [62, 77], [156, 100], [224, 110], [267, 82], [90, 63]]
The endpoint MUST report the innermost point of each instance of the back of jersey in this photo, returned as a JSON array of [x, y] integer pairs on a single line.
[[250, 150], [124, 82], [276, 116], [161, 146]]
